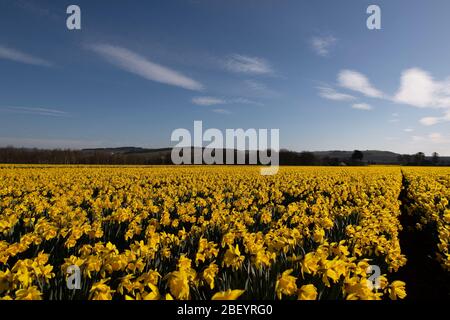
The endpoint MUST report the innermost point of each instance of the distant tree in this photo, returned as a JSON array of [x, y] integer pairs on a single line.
[[435, 158], [327, 161], [291, 158], [307, 158], [419, 158], [357, 155], [408, 158]]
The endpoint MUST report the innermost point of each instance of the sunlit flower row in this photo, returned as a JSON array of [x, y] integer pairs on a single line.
[[429, 201], [199, 232]]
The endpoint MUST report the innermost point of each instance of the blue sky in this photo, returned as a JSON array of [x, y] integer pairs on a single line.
[[138, 70]]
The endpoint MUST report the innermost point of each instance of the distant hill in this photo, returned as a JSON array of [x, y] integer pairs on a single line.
[[160, 156], [370, 156]]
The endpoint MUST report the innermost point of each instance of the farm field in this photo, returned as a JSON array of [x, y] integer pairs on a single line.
[[216, 232]]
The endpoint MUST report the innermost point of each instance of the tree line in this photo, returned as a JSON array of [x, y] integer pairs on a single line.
[[11, 155]]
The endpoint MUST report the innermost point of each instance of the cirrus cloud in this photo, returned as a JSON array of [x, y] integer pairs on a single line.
[[134, 63], [35, 111], [332, 94], [22, 57], [362, 106], [221, 111], [435, 138], [429, 121], [322, 45], [211, 101], [249, 65], [207, 101], [356, 81]]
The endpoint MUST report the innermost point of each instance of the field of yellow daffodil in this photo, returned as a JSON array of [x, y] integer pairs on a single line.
[[209, 232], [428, 200]]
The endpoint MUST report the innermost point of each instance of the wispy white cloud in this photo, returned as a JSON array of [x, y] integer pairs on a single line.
[[35, 111], [332, 94], [245, 64], [408, 130], [245, 101], [211, 101], [258, 89], [323, 45], [256, 85], [207, 101], [221, 111], [435, 138], [21, 57], [356, 81], [134, 63], [395, 117], [429, 121], [36, 8], [419, 89], [362, 106]]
